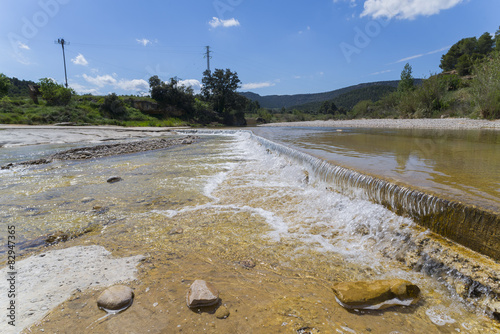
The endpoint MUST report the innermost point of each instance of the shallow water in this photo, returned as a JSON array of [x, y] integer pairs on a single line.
[[235, 201]]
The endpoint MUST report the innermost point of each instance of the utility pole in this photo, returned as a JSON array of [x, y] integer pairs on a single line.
[[208, 58], [63, 42]]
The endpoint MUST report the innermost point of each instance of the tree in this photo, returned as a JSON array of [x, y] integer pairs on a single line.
[[466, 46], [407, 82], [220, 88], [485, 44], [464, 65], [497, 40], [328, 107], [172, 94], [53, 93], [113, 106], [4, 85]]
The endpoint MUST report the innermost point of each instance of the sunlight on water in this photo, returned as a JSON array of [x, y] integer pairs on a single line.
[[234, 200]]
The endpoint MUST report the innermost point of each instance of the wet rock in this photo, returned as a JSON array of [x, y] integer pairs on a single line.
[[87, 199], [376, 294], [114, 179], [57, 237], [176, 230], [202, 293], [115, 298], [249, 264], [222, 313], [307, 330]]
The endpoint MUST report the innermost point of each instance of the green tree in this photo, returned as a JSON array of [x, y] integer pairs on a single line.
[[4, 85], [497, 39], [53, 93], [466, 46], [485, 44], [172, 94], [220, 88], [464, 65], [328, 107], [406, 83], [114, 107]]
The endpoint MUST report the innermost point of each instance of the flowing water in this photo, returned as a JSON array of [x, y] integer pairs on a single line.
[[237, 198]]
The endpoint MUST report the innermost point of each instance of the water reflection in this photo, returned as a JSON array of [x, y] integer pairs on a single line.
[[461, 165]]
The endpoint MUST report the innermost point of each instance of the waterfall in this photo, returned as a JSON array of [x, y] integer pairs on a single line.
[[475, 228]]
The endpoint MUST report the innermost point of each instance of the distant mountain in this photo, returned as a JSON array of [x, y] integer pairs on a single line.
[[287, 101], [350, 99]]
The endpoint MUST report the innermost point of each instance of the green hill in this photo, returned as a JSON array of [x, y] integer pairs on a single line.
[[288, 101], [350, 99]]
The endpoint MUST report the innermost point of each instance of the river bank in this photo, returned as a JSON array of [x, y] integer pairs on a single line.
[[423, 123]]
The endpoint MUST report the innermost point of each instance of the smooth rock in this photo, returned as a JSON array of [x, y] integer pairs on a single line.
[[176, 230], [376, 294], [201, 294], [222, 313], [116, 298], [114, 179]]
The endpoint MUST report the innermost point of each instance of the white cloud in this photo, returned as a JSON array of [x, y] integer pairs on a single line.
[[193, 83], [144, 41], [100, 80], [405, 9], [80, 60], [80, 89], [216, 22], [256, 85], [422, 54], [381, 72], [134, 84], [23, 46]]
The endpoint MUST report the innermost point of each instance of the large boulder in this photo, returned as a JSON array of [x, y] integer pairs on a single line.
[[376, 295]]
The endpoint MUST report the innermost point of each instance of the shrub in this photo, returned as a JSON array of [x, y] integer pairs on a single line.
[[53, 93], [114, 107], [486, 87]]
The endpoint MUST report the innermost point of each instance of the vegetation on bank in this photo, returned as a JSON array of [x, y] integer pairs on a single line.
[[170, 104], [469, 86]]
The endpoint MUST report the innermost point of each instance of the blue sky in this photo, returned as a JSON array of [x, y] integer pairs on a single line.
[[276, 47]]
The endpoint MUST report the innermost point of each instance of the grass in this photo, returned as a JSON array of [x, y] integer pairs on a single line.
[[80, 111]]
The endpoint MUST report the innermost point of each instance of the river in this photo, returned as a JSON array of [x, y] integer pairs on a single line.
[[237, 198]]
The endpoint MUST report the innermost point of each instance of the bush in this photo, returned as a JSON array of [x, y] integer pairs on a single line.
[[486, 87], [53, 93], [113, 107]]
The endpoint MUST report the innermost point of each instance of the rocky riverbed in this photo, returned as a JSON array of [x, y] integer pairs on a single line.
[[100, 151]]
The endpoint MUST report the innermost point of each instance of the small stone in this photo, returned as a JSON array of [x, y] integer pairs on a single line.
[[176, 230], [201, 294], [114, 179], [115, 298], [87, 199], [249, 264], [222, 313]]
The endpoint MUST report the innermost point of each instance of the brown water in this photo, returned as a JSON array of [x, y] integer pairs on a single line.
[[235, 201], [461, 165]]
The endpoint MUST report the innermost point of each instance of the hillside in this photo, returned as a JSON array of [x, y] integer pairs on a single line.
[[350, 99], [287, 101]]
